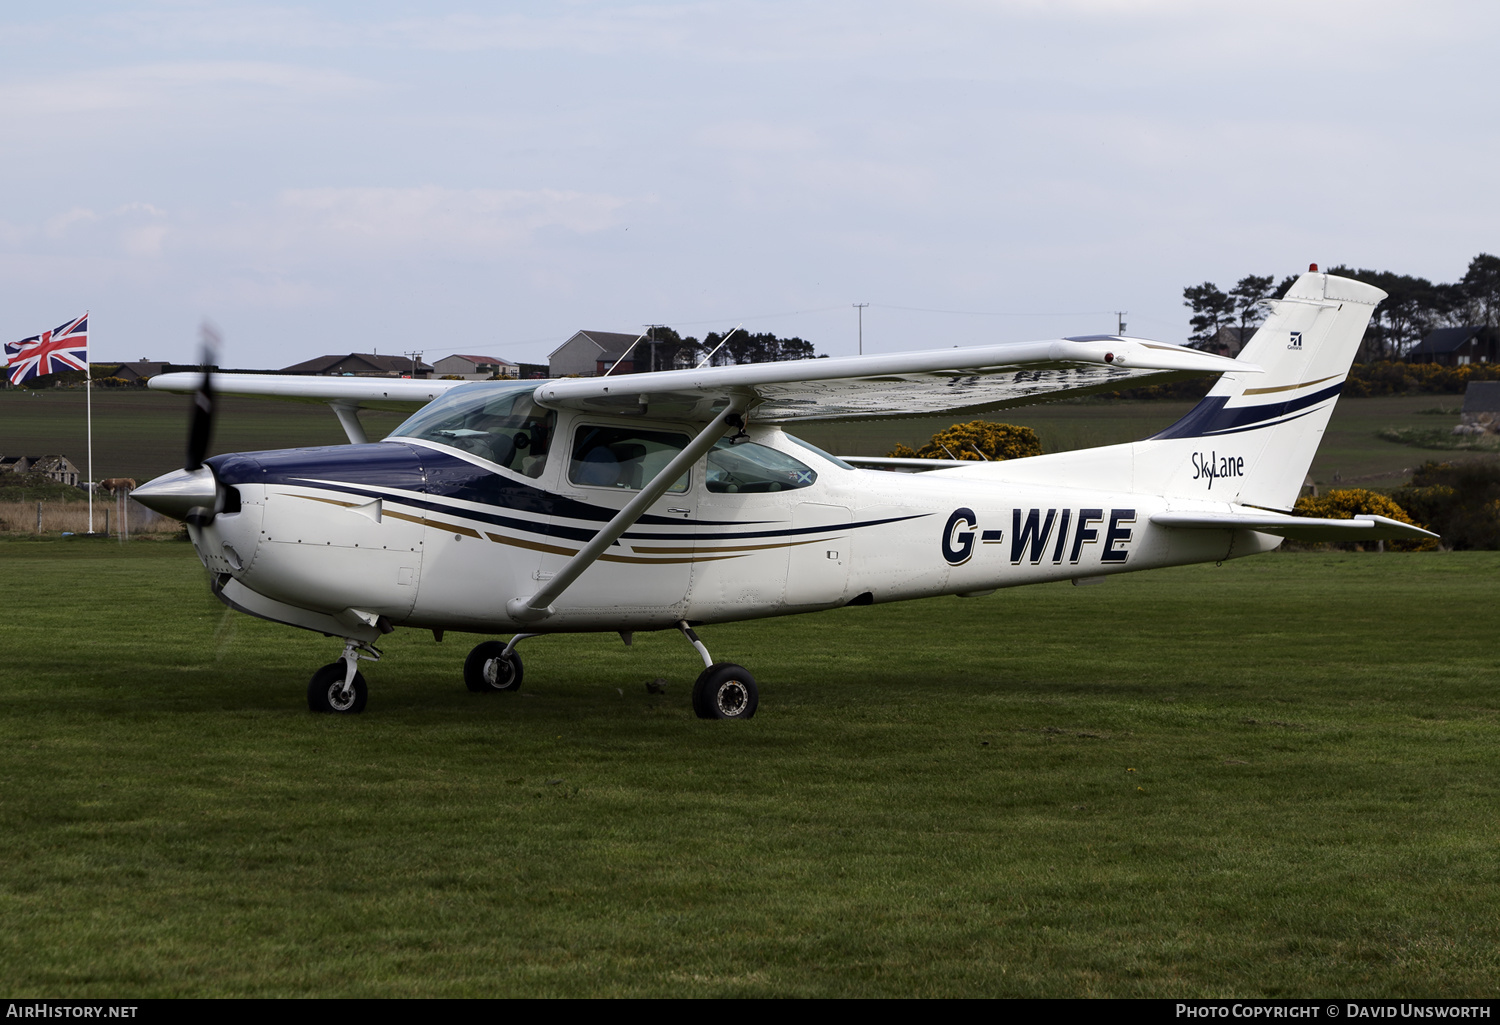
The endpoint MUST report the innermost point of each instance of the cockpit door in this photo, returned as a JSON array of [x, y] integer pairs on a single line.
[[647, 570]]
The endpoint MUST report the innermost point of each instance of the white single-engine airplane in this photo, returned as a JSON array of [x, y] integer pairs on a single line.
[[675, 499]]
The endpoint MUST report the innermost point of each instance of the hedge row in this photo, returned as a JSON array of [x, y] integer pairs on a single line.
[[976, 440], [1385, 377]]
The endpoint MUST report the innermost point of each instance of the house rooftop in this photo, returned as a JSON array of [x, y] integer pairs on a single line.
[[358, 363], [1446, 339], [611, 343]]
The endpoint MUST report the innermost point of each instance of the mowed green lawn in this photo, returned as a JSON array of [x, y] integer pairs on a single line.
[[1279, 776]]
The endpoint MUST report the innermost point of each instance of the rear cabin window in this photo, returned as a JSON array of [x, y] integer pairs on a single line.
[[748, 468], [623, 457]]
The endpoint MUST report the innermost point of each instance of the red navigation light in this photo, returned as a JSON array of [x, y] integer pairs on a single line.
[[1312, 268], [1109, 357]]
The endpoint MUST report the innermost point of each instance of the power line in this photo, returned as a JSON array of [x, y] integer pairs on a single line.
[[992, 313]]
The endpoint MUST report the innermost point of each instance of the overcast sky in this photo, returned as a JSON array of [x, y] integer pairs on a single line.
[[489, 178]]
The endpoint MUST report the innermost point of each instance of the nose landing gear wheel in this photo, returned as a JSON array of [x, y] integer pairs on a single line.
[[325, 692], [725, 691], [488, 669]]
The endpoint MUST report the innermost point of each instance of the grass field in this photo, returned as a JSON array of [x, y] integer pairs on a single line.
[[1275, 777], [143, 434]]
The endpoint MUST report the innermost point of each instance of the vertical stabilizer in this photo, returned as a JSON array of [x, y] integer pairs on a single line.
[[1252, 439]]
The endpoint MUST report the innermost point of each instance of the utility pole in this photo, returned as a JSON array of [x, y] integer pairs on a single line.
[[861, 308], [651, 340], [414, 357], [1120, 321]]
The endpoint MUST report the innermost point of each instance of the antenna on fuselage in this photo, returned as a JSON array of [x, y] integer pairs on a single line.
[[726, 338], [627, 351]]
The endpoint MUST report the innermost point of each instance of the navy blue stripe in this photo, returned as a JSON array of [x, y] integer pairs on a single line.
[[579, 534], [451, 477], [583, 534], [424, 471], [1258, 426], [370, 471], [1210, 417], [789, 532]]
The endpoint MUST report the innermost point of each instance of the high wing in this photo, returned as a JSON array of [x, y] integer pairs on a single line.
[[346, 395], [907, 384], [355, 392]]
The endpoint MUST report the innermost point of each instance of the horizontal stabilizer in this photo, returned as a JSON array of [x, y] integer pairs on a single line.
[[1368, 527]]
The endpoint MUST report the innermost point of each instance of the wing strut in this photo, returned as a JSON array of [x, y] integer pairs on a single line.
[[348, 414], [539, 605]]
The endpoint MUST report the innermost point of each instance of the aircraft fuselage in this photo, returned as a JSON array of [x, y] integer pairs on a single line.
[[411, 533]]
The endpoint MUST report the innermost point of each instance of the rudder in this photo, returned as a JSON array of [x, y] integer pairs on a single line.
[[1252, 439]]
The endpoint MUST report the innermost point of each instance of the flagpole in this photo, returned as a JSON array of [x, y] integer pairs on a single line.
[[88, 390]]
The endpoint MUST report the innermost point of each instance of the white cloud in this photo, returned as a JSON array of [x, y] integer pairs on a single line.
[[427, 220], [154, 85], [297, 227], [60, 224]]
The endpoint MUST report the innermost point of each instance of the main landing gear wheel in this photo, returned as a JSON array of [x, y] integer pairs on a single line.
[[325, 692], [725, 691], [489, 669]]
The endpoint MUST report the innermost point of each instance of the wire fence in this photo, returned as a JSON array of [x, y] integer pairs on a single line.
[[118, 517]]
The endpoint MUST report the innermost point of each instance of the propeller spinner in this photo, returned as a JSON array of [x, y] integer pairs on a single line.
[[191, 494]]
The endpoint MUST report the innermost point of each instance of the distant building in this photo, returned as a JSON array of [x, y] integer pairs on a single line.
[[140, 370], [475, 368], [59, 468], [591, 353], [1456, 346], [361, 364]]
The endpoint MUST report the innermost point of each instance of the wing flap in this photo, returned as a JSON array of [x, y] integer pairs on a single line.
[[1368, 527]]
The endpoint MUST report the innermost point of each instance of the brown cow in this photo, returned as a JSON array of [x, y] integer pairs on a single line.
[[115, 485]]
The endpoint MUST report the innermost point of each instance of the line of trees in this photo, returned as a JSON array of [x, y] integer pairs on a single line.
[[1416, 306], [674, 351]]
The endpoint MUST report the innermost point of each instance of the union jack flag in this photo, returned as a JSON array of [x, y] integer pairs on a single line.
[[65, 347]]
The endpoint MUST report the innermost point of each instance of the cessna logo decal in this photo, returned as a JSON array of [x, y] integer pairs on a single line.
[[1213, 466], [1296, 342]]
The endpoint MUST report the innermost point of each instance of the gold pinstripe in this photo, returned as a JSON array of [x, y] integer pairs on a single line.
[[691, 554]]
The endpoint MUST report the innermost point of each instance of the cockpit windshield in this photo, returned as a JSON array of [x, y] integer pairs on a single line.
[[498, 422]]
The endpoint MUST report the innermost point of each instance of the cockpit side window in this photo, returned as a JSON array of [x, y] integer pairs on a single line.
[[502, 425], [623, 457]]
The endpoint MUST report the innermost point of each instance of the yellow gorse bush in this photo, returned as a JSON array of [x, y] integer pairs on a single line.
[[968, 441], [1345, 503]]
